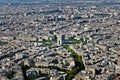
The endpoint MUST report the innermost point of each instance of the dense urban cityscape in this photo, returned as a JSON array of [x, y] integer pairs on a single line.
[[59, 40]]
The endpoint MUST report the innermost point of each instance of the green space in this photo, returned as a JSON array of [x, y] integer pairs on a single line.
[[54, 39], [78, 63], [74, 41], [44, 40], [70, 73], [25, 68], [10, 75], [47, 42]]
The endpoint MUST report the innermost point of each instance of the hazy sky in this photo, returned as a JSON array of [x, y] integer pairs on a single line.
[[11, 1]]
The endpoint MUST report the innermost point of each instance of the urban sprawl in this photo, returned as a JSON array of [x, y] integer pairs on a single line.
[[60, 41]]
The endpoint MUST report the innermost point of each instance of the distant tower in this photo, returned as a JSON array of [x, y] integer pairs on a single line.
[[60, 39]]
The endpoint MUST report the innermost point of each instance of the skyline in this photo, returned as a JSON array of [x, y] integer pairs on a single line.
[[12, 1]]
